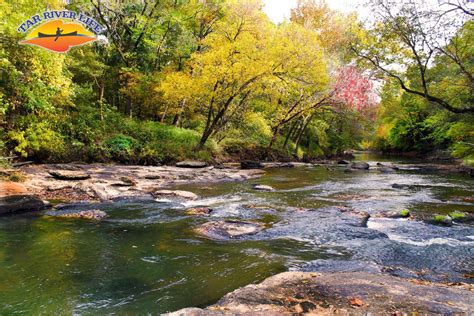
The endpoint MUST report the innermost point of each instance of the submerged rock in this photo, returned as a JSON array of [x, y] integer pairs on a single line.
[[341, 293], [251, 165], [191, 164], [96, 215], [20, 203], [261, 187], [199, 211], [222, 230], [175, 194], [69, 175], [387, 170], [360, 165]]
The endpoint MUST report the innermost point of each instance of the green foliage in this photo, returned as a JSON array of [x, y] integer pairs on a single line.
[[405, 213], [457, 215]]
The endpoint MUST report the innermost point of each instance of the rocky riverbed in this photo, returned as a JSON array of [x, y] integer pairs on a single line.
[[97, 182], [360, 237]]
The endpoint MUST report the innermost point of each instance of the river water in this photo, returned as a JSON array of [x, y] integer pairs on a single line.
[[146, 258]]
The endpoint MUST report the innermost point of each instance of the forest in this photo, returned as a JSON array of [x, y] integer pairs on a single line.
[[216, 80]]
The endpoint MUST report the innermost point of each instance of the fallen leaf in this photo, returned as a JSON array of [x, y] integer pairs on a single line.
[[356, 302]]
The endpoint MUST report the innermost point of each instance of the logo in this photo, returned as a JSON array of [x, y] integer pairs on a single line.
[[58, 31]]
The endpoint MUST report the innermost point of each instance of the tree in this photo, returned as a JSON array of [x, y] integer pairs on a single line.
[[405, 37]]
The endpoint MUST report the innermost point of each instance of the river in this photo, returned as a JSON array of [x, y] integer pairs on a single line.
[[146, 258]]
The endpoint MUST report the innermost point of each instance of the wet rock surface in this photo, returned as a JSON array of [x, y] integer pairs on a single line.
[[360, 165], [95, 215], [342, 293], [175, 194], [224, 230], [199, 211], [20, 203], [191, 164]]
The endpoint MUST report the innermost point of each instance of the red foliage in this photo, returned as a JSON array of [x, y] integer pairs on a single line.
[[353, 89]]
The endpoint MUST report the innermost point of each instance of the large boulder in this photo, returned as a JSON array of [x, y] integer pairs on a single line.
[[191, 164], [20, 203], [69, 175], [223, 230], [246, 165], [175, 195], [360, 165], [342, 293]]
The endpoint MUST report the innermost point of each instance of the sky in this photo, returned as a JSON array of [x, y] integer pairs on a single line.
[[278, 10]]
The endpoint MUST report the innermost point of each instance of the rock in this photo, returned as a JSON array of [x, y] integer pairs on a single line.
[[362, 216], [95, 215], [261, 187], [341, 293], [191, 164], [199, 211], [400, 186], [69, 175], [251, 165], [126, 182], [461, 217], [443, 220], [155, 176], [175, 194], [387, 170], [394, 214], [20, 203], [343, 162], [360, 165], [279, 165], [223, 230]]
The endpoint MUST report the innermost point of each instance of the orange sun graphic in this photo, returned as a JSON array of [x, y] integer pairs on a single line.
[[58, 36]]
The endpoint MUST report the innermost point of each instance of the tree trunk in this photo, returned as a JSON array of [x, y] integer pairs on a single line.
[[290, 133], [101, 102], [300, 134]]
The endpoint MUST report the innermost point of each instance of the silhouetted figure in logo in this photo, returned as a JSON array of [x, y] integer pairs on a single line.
[[58, 34]]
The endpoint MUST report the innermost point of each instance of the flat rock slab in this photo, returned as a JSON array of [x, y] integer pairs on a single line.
[[342, 293], [69, 175], [191, 164], [95, 215], [175, 194], [20, 203], [224, 230]]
